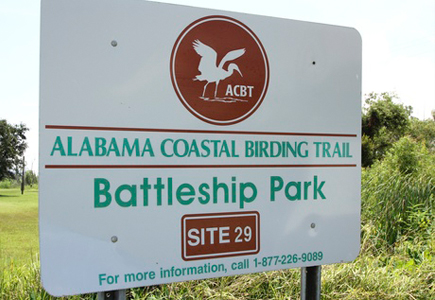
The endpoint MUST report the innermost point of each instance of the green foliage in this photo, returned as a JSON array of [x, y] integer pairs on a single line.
[[30, 178], [423, 131], [367, 151], [407, 156], [13, 183], [399, 189], [382, 112], [383, 123], [12, 146], [5, 184]]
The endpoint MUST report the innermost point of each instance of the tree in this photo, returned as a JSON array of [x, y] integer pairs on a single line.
[[30, 178], [12, 147], [423, 131], [383, 123]]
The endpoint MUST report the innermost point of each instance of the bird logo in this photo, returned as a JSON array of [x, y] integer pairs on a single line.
[[219, 70], [210, 71]]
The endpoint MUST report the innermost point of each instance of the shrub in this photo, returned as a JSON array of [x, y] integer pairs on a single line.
[[5, 184], [398, 193]]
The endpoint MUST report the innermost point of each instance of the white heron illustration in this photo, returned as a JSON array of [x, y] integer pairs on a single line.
[[208, 67]]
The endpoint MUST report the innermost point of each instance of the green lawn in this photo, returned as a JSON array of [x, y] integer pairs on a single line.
[[18, 226]]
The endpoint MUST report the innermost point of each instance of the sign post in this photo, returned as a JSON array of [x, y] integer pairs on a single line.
[[181, 143], [311, 283], [112, 295]]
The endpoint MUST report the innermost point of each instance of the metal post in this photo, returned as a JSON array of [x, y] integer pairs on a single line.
[[23, 177], [311, 282], [112, 295]]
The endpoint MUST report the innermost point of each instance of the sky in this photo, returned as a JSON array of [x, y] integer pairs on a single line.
[[398, 49]]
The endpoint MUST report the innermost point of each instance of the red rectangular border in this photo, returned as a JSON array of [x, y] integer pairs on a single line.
[[215, 215]]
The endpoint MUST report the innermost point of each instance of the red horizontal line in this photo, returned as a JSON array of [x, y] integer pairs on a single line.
[[192, 166], [65, 127]]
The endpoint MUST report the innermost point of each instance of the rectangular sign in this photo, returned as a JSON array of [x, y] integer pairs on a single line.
[[220, 235], [180, 143]]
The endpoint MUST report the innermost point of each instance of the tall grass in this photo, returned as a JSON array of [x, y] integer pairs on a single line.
[[21, 282], [384, 276], [398, 193], [398, 204]]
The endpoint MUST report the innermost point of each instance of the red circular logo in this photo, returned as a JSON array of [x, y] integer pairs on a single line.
[[219, 70]]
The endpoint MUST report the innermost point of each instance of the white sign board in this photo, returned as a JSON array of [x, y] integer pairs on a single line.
[[180, 143]]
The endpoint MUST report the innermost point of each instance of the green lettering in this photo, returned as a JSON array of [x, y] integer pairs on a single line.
[[86, 146], [275, 145], [233, 149], [162, 147], [58, 146], [70, 152], [186, 148], [249, 151], [276, 184], [205, 147], [305, 153], [145, 188], [98, 192], [148, 148], [100, 149], [326, 147], [296, 196], [245, 199], [185, 189], [216, 187], [203, 190], [306, 186], [130, 202], [224, 149], [113, 147], [134, 147], [318, 189], [317, 148], [159, 186], [194, 149], [336, 150]]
